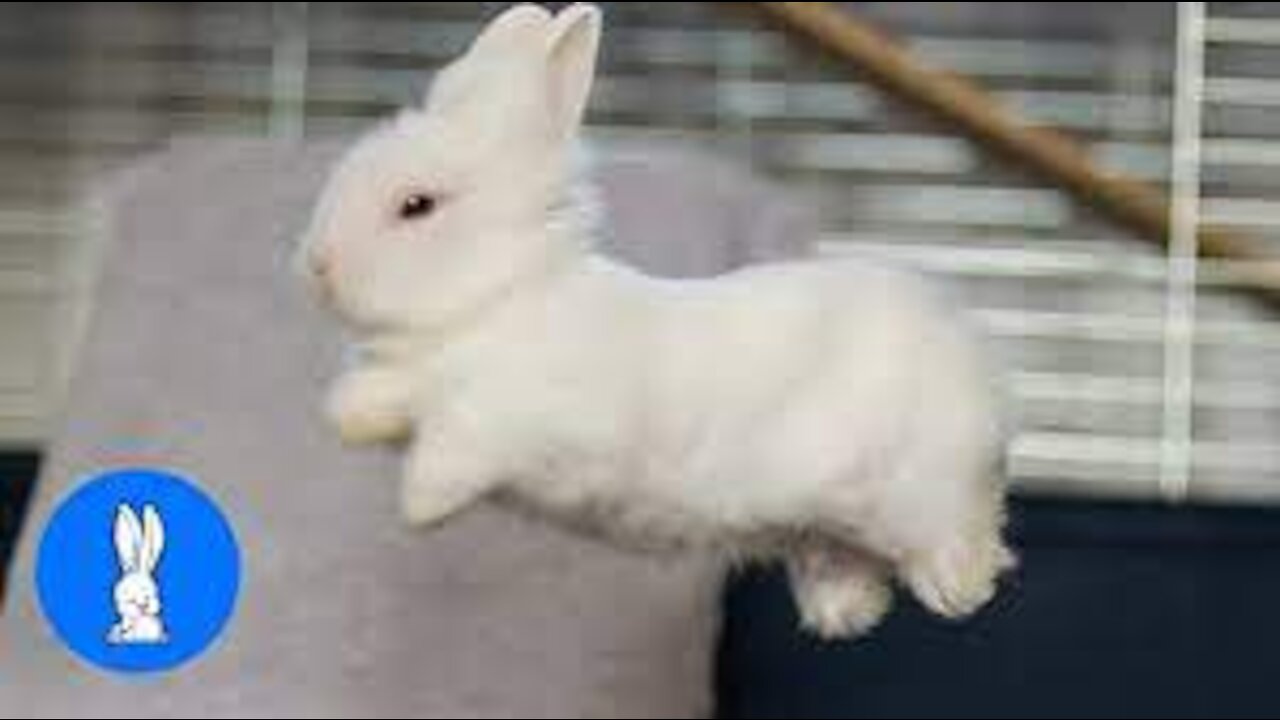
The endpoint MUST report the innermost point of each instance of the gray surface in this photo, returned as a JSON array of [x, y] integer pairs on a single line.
[[204, 356]]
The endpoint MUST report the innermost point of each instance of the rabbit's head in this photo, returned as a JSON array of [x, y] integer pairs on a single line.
[[138, 547], [447, 205]]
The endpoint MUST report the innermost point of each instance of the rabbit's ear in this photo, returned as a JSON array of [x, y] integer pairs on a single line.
[[571, 64], [519, 29], [152, 539], [515, 37], [128, 538]]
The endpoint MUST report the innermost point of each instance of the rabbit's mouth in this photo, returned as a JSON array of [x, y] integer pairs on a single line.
[[316, 273], [140, 608], [318, 279]]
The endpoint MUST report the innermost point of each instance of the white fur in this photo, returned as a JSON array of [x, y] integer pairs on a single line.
[[830, 412]]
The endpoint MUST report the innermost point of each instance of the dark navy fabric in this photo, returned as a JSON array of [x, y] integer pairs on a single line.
[[17, 476], [1117, 610]]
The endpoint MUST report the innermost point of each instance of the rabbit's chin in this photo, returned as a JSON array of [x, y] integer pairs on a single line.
[[366, 313], [365, 321]]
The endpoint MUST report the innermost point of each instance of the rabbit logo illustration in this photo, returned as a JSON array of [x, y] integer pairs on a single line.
[[137, 594], [138, 570]]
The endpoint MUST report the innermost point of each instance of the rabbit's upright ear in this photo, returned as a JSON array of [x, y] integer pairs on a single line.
[[152, 539], [574, 43], [519, 28], [128, 538], [513, 39]]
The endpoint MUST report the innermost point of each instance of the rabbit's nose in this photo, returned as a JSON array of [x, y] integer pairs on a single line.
[[320, 265]]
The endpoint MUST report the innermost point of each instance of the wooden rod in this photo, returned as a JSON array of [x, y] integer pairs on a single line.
[[1136, 205]]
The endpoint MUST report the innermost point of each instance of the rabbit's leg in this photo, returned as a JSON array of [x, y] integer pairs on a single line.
[[444, 475], [372, 404], [840, 591]]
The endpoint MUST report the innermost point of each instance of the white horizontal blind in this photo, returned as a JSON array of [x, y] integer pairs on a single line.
[[1236, 449], [1077, 308]]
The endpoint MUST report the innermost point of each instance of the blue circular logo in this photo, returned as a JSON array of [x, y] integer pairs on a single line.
[[137, 571]]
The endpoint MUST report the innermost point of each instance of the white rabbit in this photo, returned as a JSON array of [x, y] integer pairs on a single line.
[[832, 413], [136, 594]]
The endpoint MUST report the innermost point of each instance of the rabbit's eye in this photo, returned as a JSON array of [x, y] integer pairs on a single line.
[[417, 205]]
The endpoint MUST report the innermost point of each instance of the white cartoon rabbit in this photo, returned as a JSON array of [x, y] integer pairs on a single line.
[[136, 593], [832, 413]]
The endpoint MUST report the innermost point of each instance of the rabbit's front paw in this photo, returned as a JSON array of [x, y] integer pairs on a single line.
[[368, 408]]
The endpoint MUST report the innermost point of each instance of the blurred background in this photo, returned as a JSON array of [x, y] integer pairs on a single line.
[[1134, 371], [1076, 305]]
